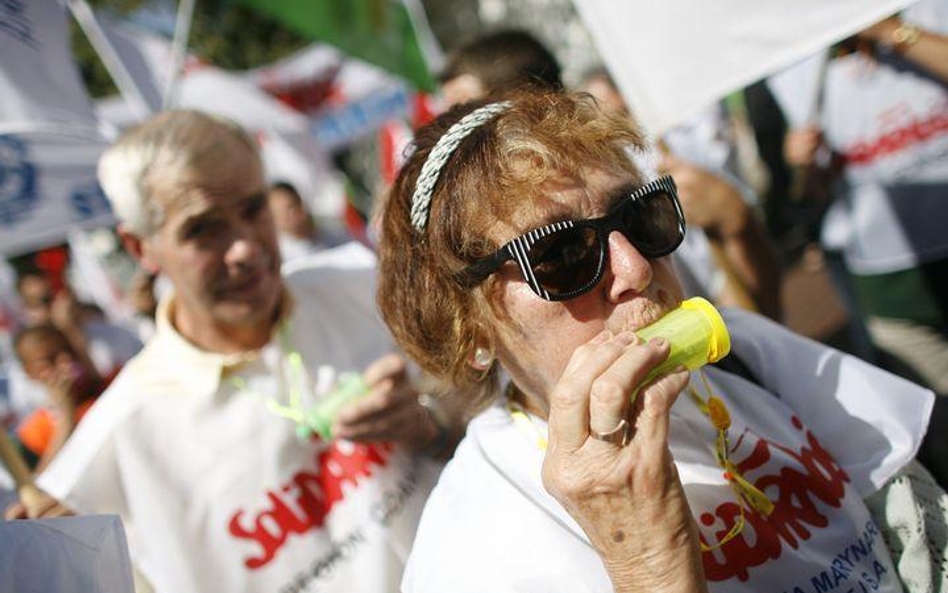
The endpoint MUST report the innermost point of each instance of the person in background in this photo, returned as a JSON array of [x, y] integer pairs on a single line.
[[202, 443], [881, 129], [507, 61], [47, 357], [106, 344], [727, 255], [498, 62], [297, 232], [36, 298]]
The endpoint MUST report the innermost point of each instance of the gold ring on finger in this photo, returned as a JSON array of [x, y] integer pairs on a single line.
[[620, 435]]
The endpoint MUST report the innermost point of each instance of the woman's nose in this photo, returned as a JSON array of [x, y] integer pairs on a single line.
[[628, 271]]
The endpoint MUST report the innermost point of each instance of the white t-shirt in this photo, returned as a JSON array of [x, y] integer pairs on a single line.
[[889, 120], [831, 430], [217, 493], [110, 346]]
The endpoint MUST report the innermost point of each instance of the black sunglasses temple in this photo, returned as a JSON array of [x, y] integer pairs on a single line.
[[477, 272]]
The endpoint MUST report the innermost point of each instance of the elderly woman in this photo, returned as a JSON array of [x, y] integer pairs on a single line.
[[521, 250]]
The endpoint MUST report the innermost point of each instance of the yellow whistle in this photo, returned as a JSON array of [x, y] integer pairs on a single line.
[[696, 333]]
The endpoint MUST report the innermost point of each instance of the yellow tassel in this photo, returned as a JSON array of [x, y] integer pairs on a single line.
[[717, 411], [752, 494]]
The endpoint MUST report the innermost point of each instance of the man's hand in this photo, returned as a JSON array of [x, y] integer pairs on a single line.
[[390, 412], [800, 146], [35, 504]]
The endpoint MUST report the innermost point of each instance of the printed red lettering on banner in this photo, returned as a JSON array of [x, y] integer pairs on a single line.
[[304, 502], [914, 132], [795, 492]]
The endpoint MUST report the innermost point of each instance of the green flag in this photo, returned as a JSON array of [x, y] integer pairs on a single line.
[[377, 31]]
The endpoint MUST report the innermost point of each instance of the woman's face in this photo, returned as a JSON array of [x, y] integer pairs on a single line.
[[537, 341]]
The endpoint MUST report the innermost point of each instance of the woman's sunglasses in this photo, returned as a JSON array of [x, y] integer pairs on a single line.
[[562, 260]]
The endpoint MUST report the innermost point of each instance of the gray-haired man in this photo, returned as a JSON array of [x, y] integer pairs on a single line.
[[216, 490]]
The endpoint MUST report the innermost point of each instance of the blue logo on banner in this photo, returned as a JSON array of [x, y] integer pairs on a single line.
[[17, 181], [88, 201], [356, 119], [14, 22]]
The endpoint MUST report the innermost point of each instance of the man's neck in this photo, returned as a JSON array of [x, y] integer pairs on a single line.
[[222, 339]]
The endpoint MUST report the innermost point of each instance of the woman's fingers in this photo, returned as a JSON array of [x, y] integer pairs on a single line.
[[569, 402], [611, 393], [652, 420]]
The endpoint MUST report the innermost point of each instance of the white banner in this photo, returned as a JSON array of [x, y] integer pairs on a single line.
[[47, 186], [672, 58], [345, 97], [39, 84]]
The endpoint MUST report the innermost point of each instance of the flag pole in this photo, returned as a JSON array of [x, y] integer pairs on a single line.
[[113, 63], [179, 48]]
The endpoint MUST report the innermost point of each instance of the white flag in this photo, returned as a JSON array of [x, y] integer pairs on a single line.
[[47, 186], [345, 97], [49, 143], [672, 58], [39, 83]]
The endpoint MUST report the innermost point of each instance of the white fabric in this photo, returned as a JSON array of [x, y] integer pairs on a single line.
[[346, 97], [217, 493], [49, 142], [48, 185], [39, 80], [672, 58], [490, 509], [68, 555], [293, 248], [110, 346]]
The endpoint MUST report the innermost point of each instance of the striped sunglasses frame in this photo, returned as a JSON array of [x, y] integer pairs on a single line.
[[520, 248]]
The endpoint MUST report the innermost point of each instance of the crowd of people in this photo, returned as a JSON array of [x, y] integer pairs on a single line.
[[494, 443]]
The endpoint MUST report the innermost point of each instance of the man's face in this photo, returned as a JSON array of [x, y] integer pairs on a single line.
[[288, 213], [37, 296], [40, 356], [218, 246], [461, 89]]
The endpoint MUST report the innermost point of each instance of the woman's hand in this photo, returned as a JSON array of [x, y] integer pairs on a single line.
[[627, 499]]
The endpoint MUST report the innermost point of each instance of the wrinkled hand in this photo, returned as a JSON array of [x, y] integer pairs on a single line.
[[708, 201], [628, 500], [35, 504], [390, 412], [800, 146]]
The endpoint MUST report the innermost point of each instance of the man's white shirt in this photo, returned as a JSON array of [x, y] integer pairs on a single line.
[[216, 491]]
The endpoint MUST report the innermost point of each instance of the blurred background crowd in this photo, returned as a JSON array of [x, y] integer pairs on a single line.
[[808, 178]]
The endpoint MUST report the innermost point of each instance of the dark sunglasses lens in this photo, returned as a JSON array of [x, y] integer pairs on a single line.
[[652, 224], [566, 260]]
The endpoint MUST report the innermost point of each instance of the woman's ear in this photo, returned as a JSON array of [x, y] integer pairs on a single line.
[[481, 358], [138, 248]]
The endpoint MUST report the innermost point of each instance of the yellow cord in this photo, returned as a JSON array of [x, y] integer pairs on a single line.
[[746, 493]]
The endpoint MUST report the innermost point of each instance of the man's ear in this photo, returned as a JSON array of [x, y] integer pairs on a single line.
[[138, 248]]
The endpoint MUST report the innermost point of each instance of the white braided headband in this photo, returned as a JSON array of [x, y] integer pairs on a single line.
[[439, 155]]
